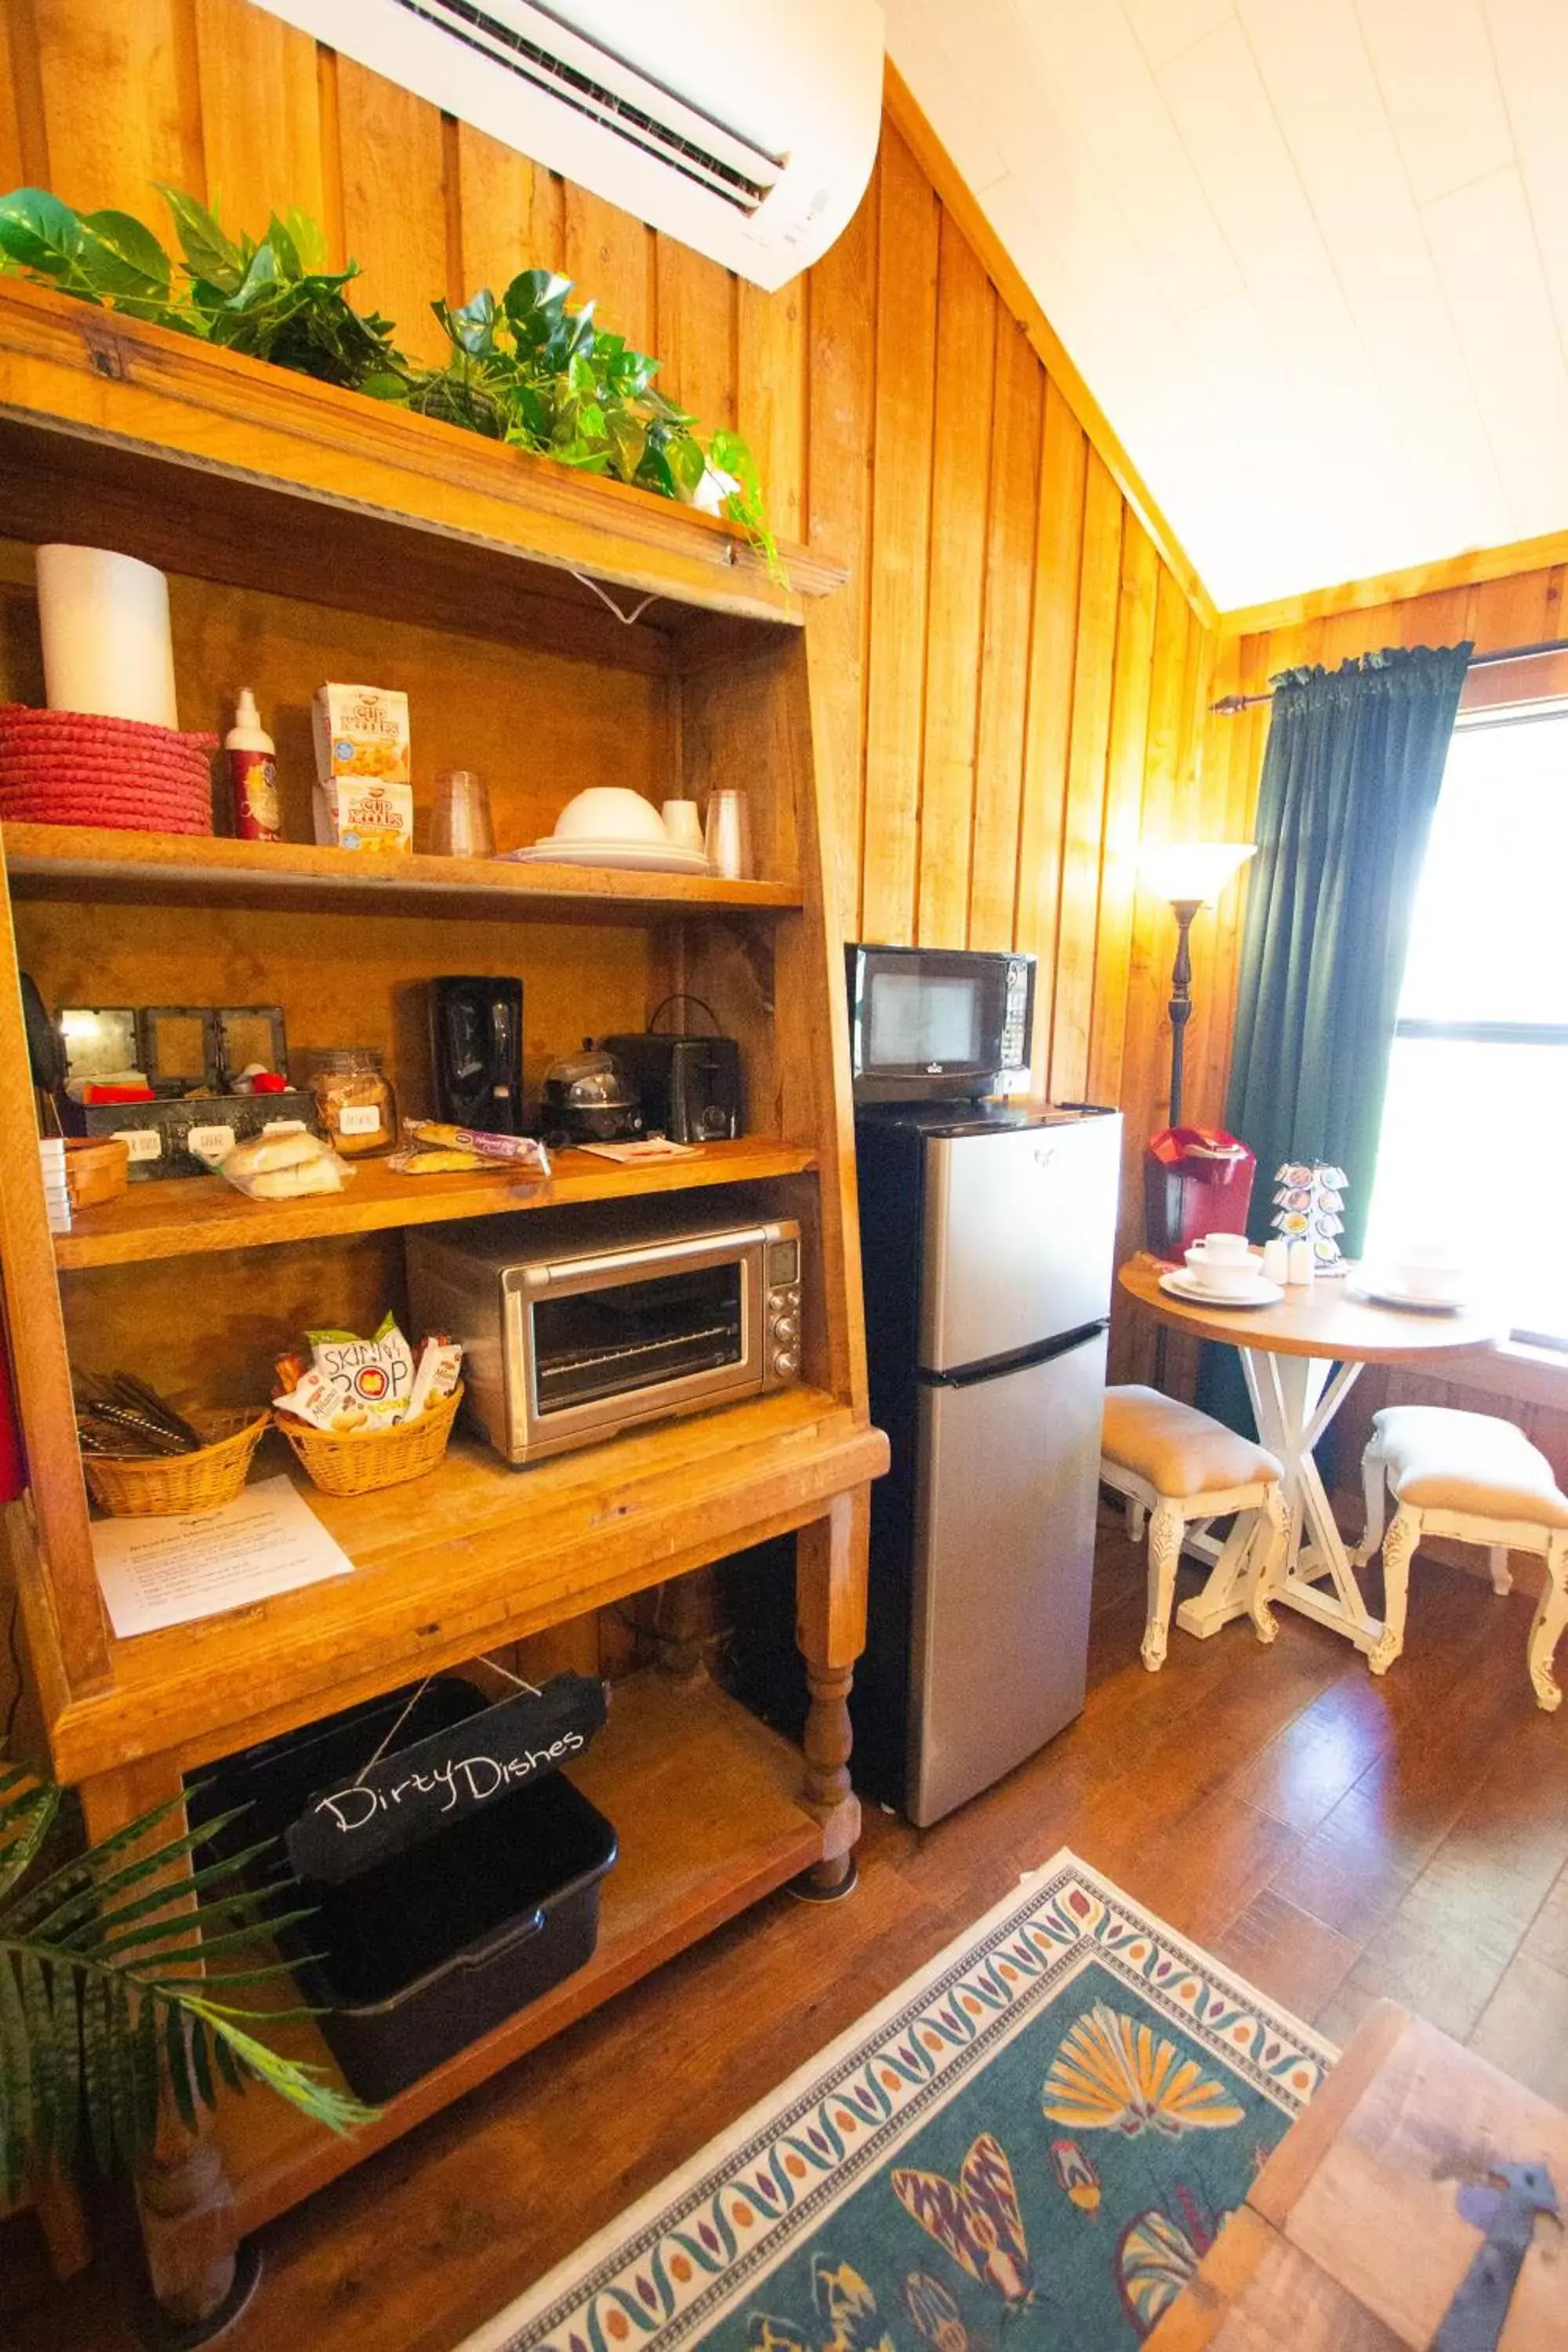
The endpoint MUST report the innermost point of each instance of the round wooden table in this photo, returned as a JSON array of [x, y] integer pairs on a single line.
[[1301, 1360]]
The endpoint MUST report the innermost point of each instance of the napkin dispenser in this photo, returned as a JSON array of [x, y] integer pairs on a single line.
[[1197, 1181]]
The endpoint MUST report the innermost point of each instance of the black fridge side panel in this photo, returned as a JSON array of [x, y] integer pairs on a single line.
[[891, 1165]]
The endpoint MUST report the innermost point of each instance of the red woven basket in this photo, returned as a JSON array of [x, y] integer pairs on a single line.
[[68, 767]]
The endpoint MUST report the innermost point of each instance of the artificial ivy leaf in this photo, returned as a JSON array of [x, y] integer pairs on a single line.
[[122, 258], [471, 328], [305, 236], [39, 232], [385, 386], [285, 252], [628, 439], [210, 254], [687, 463], [259, 279]]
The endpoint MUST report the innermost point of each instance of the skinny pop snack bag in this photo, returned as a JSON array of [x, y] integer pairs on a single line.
[[370, 1379]]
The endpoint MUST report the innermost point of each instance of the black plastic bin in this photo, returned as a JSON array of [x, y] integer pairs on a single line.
[[424, 1952]]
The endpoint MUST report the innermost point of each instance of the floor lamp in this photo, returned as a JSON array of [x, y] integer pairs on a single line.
[[1190, 874]]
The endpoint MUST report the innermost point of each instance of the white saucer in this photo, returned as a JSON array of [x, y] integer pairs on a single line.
[[640, 856], [1262, 1293], [1383, 1292]]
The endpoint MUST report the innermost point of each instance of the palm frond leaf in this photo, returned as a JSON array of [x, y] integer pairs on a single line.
[[108, 1997]]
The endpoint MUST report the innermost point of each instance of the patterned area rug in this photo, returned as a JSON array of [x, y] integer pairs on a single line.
[[1032, 2142]]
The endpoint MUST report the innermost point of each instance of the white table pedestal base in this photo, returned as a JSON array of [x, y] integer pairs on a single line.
[[1294, 1400]]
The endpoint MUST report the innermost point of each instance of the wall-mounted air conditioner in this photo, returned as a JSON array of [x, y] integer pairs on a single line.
[[745, 128]]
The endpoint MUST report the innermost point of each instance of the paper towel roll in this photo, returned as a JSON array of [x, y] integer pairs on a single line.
[[107, 646]]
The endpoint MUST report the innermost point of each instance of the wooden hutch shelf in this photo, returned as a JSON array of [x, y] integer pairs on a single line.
[[311, 534], [705, 1803], [132, 413], [189, 1217], [80, 862], [474, 1555]]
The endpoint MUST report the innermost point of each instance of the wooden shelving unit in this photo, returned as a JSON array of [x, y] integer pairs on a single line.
[[314, 535], [191, 1217], [162, 870], [717, 1813]]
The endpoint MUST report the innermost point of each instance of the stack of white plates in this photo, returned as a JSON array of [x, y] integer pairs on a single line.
[[637, 857], [1448, 1293], [609, 825], [1198, 1293]]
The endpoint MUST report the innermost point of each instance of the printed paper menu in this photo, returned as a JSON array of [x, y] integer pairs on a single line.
[[167, 1572]]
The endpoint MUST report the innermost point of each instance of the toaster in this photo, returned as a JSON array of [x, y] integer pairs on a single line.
[[690, 1088]]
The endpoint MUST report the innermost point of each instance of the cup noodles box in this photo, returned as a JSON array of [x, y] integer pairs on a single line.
[[364, 799]]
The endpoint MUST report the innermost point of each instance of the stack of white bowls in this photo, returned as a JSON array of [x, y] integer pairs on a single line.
[[1223, 1265]]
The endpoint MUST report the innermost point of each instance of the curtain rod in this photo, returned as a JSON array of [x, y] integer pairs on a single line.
[[1229, 704]]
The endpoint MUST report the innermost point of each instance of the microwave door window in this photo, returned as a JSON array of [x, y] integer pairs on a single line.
[[917, 1020], [603, 1343]]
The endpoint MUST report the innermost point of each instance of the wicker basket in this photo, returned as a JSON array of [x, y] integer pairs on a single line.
[[162, 1486], [356, 1462]]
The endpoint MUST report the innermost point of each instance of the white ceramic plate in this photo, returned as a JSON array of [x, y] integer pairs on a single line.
[[1382, 1292], [637, 857], [1262, 1293]]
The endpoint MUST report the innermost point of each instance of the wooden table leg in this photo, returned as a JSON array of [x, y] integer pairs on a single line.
[[830, 1631], [185, 2203], [1294, 1400]]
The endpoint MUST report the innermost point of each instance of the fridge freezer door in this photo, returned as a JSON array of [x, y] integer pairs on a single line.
[[1020, 1236], [1004, 1564]]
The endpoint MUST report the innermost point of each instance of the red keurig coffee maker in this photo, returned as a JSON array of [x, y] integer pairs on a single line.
[[1197, 1181]]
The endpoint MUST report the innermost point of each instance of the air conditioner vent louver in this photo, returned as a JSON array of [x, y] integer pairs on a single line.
[[743, 129], [462, 20]]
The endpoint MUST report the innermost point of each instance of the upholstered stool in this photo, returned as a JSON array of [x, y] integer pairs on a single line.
[[1174, 1462], [1479, 1480]]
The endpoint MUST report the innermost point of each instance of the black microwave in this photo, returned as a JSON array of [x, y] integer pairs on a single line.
[[936, 1024]]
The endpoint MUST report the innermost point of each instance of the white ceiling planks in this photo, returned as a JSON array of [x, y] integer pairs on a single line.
[[1311, 260]]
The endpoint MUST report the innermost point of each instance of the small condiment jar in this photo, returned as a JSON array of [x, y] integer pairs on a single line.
[[354, 1100]]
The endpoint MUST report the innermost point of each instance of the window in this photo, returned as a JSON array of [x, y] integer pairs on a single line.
[[1474, 1148]]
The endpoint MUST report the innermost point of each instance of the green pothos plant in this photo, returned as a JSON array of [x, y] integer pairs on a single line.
[[99, 2008], [523, 367]]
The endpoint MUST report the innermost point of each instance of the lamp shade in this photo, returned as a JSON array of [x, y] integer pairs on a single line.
[[1192, 872]]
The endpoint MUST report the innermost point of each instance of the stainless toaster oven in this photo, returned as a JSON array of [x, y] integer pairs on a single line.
[[571, 1331]]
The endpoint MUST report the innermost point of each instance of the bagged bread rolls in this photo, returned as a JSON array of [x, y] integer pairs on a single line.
[[325, 1173], [285, 1167]]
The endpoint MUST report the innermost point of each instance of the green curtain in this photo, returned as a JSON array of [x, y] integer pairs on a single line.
[[1351, 777]]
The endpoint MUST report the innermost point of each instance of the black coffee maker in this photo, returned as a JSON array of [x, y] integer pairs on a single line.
[[475, 1045]]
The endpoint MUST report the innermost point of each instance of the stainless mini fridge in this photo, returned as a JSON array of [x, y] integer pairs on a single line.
[[987, 1237]]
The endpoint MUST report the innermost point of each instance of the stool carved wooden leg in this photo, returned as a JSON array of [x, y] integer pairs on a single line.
[[1398, 1547], [185, 2203], [1166, 1529], [1501, 1574], [1374, 1489], [1269, 1539], [830, 1632], [1550, 1617]]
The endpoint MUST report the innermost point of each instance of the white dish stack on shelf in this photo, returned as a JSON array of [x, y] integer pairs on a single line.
[[56, 1183], [611, 825]]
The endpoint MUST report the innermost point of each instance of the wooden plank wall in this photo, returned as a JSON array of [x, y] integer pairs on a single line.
[[1523, 608], [1021, 674]]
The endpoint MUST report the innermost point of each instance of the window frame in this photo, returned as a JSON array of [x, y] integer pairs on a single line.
[[1504, 1032]]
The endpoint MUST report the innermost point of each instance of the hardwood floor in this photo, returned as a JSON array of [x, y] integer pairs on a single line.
[[1333, 1837]]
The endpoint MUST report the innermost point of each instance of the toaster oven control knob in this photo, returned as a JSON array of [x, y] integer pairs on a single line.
[[785, 1328], [786, 1362]]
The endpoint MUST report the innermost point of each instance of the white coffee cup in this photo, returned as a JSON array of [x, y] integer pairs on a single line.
[[1226, 1249]]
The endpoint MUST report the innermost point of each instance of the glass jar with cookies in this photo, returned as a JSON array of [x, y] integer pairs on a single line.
[[354, 1100]]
